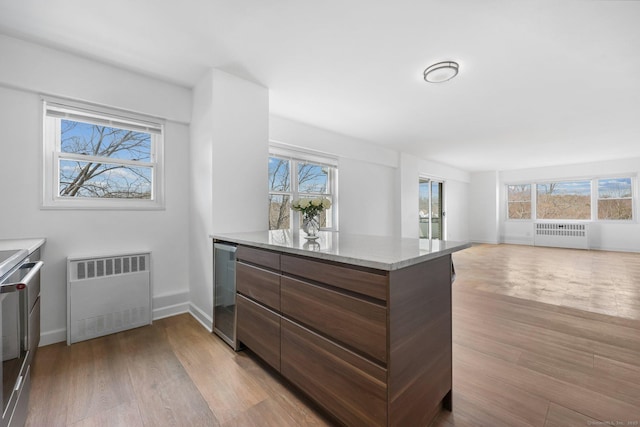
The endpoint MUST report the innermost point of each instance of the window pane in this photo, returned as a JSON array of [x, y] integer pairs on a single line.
[[279, 174], [313, 178], [519, 201], [618, 188], [104, 141], [615, 199], [104, 180], [279, 212], [519, 193], [423, 200], [615, 209], [564, 200]]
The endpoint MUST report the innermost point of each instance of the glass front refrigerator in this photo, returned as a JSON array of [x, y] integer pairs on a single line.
[[224, 295]]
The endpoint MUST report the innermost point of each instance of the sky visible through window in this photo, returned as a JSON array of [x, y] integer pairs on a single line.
[[582, 188], [615, 187], [109, 178], [89, 139]]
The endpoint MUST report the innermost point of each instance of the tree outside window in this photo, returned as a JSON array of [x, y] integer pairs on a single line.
[[99, 158], [519, 201], [563, 200], [615, 201], [104, 162]]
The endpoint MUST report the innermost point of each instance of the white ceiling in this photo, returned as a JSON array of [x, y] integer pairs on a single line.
[[540, 83]]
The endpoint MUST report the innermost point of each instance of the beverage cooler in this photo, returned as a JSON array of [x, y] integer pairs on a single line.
[[224, 292]]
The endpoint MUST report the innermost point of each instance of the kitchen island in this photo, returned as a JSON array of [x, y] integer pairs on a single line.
[[360, 324]]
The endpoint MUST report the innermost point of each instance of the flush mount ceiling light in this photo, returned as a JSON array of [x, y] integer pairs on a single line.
[[441, 72]]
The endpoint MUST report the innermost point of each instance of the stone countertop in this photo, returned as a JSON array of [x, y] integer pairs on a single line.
[[29, 244], [383, 253]]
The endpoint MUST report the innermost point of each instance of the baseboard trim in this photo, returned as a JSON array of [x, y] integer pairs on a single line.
[[201, 317], [52, 337], [168, 305]]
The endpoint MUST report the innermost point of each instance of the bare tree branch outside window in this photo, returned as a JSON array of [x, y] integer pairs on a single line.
[[615, 200], [100, 162]]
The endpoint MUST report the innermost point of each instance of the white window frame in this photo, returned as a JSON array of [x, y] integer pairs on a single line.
[[532, 199], [596, 199], [635, 199], [295, 156], [55, 109]]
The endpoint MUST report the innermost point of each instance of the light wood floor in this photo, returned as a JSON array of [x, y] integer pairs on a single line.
[[518, 360]]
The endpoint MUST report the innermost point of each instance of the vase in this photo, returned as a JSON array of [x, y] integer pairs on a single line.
[[311, 227]]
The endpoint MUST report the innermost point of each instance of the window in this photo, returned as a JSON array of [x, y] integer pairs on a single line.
[[603, 199], [519, 201], [615, 201], [294, 175], [563, 200], [99, 158]]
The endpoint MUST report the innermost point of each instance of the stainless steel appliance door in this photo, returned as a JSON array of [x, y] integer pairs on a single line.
[[15, 341]]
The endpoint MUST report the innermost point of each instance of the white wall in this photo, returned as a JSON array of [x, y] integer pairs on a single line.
[[615, 236], [228, 176], [483, 208], [456, 195], [29, 69], [367, 196], [371, 175]]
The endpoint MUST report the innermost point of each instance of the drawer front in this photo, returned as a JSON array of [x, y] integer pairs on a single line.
[[357, 323], [259, 329], [366, 282], [260, 257], [258, 284], [348, 386], [34, 330]]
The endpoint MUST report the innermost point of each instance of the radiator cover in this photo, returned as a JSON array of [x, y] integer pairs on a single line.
[[107, 294], [561, 235]]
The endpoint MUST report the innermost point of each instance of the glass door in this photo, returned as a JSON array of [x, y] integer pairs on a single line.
[[224, 283], [431, 209]]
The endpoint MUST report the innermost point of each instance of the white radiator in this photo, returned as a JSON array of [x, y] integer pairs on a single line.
[[107, 294], [561, 235]]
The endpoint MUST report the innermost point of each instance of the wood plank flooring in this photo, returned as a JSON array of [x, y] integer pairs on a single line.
[[524, 354]]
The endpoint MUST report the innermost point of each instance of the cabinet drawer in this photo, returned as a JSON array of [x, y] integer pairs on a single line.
[[258, 284], [259, 329], [351, 388], [259, 257], [363, 281], [353, 321]]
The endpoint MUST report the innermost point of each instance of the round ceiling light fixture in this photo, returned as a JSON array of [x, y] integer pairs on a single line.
[[441, 72]]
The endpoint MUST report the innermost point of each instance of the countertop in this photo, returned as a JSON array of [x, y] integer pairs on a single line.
[[383, 253], [29, 244]]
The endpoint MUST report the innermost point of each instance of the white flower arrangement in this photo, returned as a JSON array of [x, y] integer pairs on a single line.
[[311, 208]]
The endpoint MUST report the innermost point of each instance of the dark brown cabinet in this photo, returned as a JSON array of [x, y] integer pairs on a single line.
[[258, 284], [351, 388], [372, 347], [259, 329], [350, 320]]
